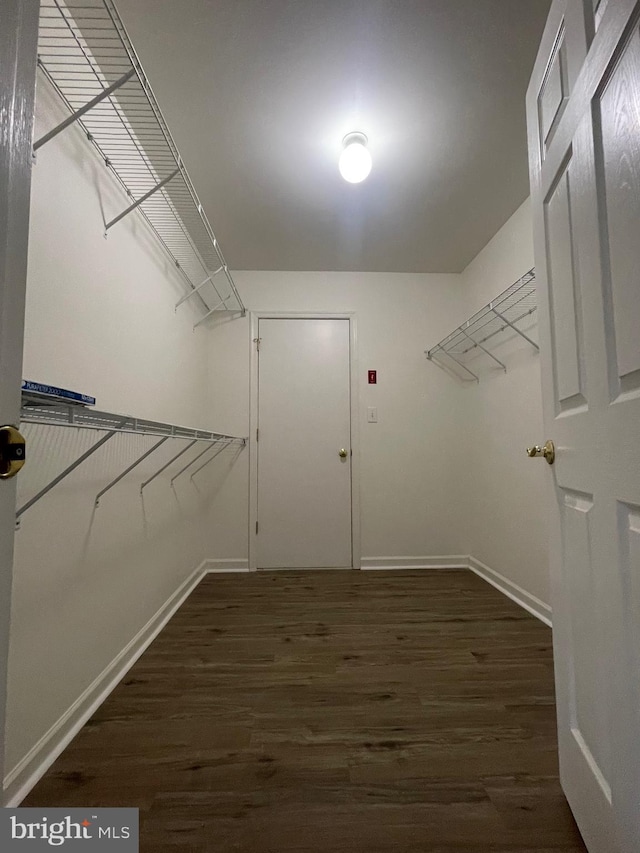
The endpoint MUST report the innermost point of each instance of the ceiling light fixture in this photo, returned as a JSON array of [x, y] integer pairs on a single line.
[[355, 160]]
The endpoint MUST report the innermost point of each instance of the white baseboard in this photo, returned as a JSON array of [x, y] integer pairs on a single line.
[[307, 569], [232, 565], [379, 563], [41, 756], [516, 593]]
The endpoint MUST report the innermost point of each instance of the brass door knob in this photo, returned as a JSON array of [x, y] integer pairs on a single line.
[[547, 450], [342, 453], [12, 452]]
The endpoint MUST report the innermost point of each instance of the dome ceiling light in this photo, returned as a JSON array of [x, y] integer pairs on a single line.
[[355, 160]]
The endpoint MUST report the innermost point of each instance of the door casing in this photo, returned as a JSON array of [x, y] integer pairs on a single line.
[[254, 319], [18, 55]]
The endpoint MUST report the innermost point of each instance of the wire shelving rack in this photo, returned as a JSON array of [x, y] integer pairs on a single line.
[[504, 313], [85, 53], [39, 409]]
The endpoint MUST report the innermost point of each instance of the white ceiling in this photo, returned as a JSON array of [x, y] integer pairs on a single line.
[[259, 94]]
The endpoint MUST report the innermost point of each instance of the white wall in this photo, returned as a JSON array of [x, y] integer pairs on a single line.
[[409, 458], [100, 319], [503, 491]]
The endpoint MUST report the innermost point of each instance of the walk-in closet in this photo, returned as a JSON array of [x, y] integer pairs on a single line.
[[319, 376]]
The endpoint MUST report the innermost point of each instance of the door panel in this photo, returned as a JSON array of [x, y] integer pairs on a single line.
[[566, 315], [304, 420], [599, 7], [587, 699], [586, 206], [619, 123], [553, 95]]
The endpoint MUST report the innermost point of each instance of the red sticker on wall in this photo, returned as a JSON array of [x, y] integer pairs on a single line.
[[373, 377]]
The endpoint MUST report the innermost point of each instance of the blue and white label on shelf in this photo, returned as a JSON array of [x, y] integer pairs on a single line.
[[58, 393]]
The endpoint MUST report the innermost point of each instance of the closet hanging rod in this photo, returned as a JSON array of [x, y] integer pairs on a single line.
[[86, 54]]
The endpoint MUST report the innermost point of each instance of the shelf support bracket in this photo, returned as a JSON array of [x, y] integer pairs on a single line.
[[68, 470], [234, 291], [460, 364], [204, 465], [164, 467], [515, 328], [130, 468], [142, 200], [209, 313], [196, 289], [485, 350], [85, 109], [195, 459]]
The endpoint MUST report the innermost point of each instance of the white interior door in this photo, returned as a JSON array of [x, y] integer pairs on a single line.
[[304, 422], [584, 145], [18, 46]]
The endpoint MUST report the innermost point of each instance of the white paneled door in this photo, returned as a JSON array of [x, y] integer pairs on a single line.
[[584, 145], [304, 444], [18, 47]]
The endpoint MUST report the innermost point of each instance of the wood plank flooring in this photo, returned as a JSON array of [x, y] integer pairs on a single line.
[[332, 711]]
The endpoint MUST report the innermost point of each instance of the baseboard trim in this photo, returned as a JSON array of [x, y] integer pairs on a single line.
[[41, 756], [516, 593], [370, 564], [307, 569], [224, 566]]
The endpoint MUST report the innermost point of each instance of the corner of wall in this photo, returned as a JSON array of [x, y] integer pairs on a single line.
[[501, 494]]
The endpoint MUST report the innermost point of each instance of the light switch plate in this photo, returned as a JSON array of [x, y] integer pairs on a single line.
[[372, 415]]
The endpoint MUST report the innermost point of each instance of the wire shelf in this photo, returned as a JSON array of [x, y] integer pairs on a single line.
[[39, 409], [511, 308], [86, 54]]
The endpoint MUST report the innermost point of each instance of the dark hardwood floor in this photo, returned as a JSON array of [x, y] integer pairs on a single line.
[[332, 711]]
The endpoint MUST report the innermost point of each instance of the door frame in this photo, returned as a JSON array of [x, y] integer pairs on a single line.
[[18, 65], [254, 319]]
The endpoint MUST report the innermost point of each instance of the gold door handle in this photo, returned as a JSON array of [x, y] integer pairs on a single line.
[[547, 450], [12, 452], [342, 453]]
